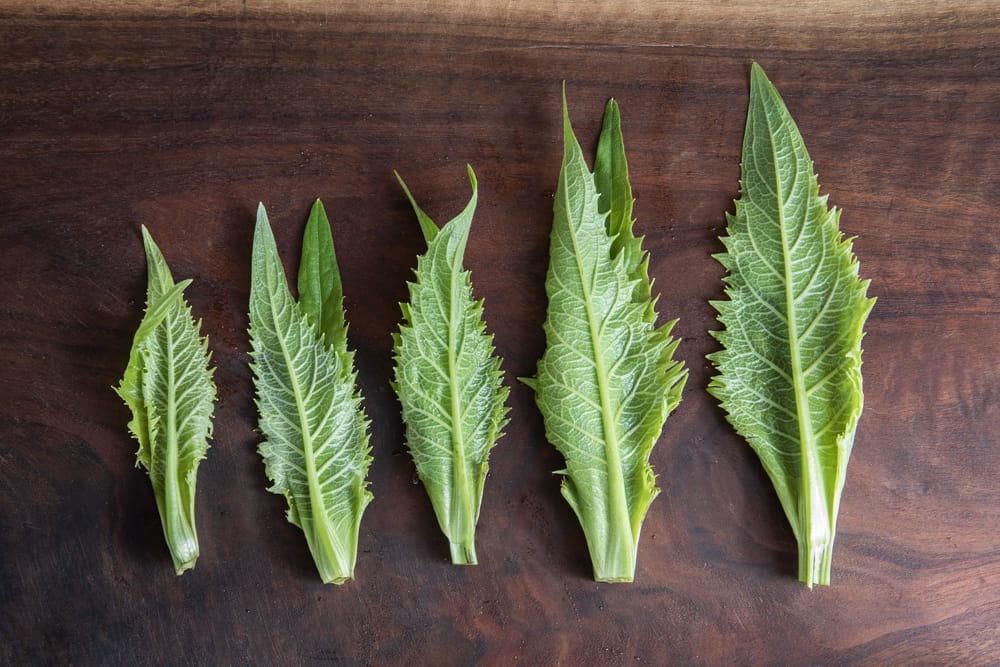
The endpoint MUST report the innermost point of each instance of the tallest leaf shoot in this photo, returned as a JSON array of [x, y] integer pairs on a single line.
[[790, 368]]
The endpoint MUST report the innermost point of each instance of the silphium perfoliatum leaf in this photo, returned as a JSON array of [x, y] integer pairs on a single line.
[[315, 445], [449, 381], [168, 386], [607, 379], [789, 371]]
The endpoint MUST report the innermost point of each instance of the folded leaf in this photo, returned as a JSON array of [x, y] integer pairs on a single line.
[[315, 446], [449, 381], [790, 368], [607, 379], [168, 386]]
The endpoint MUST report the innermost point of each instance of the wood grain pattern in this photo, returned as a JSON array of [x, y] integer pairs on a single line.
[[182, 120]]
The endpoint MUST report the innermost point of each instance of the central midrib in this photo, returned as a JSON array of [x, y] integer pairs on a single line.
[[810, 478], [616, 483], [318, 507], [465, 502], [172, 492]]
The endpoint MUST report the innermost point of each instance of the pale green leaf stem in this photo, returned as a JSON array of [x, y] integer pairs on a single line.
[[315, 446], [168, 386], [448, 380], [607, 380], [789, 373]]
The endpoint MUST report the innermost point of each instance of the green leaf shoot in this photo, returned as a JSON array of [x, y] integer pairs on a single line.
[[168, 387], [789, 371], [315, 445], [607, 380], [448, 380]]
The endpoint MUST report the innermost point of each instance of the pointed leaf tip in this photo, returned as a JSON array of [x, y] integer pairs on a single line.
[[567, 126], [427, 225], [470, 208], [761, 86], [611, 108], [757, 75]]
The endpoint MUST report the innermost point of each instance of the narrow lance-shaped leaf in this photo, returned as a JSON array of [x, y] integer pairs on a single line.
[[790, 368], [168, 386], [320, 291], [315, 446], [449, 381], [607, 379]]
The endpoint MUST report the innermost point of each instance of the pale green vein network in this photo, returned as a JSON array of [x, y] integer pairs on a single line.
[[790, 368], [168, 386], [315, 445], [607, 380], [449, 381]]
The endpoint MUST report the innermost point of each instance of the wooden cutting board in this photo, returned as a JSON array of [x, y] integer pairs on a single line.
[[115, 114]]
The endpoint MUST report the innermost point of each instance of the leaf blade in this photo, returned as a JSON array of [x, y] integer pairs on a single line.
[[449, 380], [321, 293], [607, 380], [168, 386], [315, 445], [789, 373]]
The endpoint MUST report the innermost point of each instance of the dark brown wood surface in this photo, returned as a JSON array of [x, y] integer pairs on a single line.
[[183, 120]]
